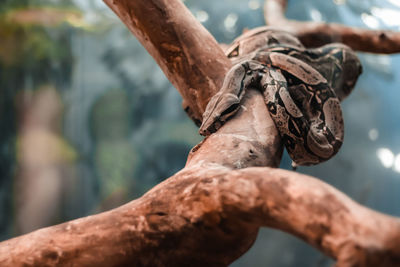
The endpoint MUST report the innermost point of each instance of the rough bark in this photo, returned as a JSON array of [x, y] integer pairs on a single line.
[[209, 213], [314, 34], [186, 52]]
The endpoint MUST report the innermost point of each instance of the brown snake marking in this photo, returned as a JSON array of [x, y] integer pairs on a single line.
[[302, 90]]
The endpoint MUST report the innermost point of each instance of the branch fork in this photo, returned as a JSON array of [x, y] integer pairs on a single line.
[[209, 213]]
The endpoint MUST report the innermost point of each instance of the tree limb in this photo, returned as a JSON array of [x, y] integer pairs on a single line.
[[186, 52], [209, 213], [314, 34]]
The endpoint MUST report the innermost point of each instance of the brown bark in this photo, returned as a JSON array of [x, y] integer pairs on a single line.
[[313, 34], [209, 213], [186, 52]]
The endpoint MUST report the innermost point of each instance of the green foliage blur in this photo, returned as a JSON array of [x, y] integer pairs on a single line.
[[33, 53]]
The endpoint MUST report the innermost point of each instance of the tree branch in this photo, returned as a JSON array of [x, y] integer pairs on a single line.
[[209, 213], [314, 34], [186, 52]]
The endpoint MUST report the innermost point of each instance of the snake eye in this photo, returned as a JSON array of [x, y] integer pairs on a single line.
[[249, 72]]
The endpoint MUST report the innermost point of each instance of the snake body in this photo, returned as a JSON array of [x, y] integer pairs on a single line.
[[302, 90]]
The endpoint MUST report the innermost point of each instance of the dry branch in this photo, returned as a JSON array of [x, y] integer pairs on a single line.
[[209, 213], [186, 52], [314, 34]]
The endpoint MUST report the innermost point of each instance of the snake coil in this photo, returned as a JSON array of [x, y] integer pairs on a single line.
[[302, 90]]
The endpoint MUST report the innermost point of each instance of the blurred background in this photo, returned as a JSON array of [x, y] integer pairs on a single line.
[[88, 121]]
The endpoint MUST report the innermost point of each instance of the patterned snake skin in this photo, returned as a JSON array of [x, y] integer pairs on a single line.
[[302, 90]]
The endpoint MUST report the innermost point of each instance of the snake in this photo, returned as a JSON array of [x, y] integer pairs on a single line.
[[302, 89]]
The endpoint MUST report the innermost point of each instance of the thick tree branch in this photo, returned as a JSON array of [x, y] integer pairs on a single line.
[[186, 52], [197, 67], [209, 213], [313, 34]]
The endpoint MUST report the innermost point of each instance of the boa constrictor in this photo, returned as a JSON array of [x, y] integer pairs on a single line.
[[302, 90]]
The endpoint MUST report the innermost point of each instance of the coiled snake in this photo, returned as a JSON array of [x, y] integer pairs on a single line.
[[302, 90]]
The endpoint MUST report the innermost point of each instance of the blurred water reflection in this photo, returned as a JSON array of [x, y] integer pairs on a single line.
[[88, 120]]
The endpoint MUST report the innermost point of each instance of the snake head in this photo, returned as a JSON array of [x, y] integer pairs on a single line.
[[221, 107]]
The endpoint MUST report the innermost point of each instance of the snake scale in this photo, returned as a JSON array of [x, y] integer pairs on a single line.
[[302, 89]]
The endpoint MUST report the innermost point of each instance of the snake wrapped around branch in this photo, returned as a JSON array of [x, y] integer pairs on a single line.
[[302, 89]]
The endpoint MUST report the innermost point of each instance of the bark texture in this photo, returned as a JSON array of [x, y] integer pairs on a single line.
[[209, 213], [186, 52], [314, 34]]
